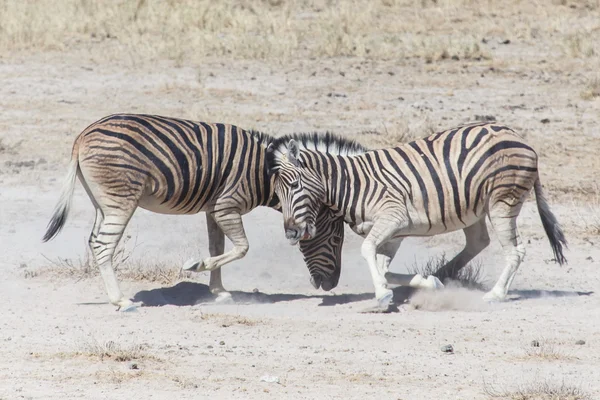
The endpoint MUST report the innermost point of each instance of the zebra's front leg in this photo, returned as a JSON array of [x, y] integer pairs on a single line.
[[231, 225], [379, 234]]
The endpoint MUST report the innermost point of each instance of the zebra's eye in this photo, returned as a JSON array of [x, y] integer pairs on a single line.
[[294, 184]]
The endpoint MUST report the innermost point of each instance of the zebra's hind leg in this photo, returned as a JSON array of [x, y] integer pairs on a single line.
[[385, 255], [216, 247], [504, 220], [109, 232], [477, 239]]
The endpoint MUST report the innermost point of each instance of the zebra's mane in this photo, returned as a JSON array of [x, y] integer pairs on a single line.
[[322, 142], [263, 138]]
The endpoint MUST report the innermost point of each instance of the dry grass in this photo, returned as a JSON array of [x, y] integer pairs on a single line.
[[545, 390], [544, 350], [588, 213], [111, 350], [186, 383], [470, 276], [227, 320], [592, 89], [190, 30], [126, 268], [397, 132]]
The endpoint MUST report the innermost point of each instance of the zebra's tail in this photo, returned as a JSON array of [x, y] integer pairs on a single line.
[[61, 210], [551, 225]]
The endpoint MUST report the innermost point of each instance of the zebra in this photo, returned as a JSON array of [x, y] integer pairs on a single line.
[[448, 181], [175, 166]]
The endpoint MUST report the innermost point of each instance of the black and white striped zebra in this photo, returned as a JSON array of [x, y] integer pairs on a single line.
[[175, 166], [445, 182]]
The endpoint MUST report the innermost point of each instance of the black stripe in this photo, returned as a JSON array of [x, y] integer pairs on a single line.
[[451, 177], [419, 180], [436, 181], [356, 188], [208, 169], [464, 150], [407, 188]]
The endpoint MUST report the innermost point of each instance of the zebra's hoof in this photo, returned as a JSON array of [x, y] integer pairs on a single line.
[[127, 307], [434, 283], [493, 297], [385, 304], [224, 298], [191, 265]]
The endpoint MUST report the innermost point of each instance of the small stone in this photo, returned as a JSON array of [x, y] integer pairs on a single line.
[[222, 343], [545, 121], [209, 346], [580, 342], [447, 348], [134, 366], [535, 343], [255, 290]]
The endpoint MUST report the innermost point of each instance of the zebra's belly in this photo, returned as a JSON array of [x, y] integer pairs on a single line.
[[154, 204], [430, 225]]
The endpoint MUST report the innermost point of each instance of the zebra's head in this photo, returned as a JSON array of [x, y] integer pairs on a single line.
[[301, 193], [323, 252]]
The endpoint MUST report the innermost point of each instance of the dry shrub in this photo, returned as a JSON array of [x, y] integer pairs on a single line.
[[545, 390], [471, 276]]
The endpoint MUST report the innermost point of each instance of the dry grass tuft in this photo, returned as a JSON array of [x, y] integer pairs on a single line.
[[397, 133], [545, 390], [589, 214], [227, 320], [470, 276], [544, 349], [114, 351], [185, 383], [592, 90]]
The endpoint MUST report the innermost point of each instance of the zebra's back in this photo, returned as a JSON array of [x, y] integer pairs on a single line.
[[180, 166]]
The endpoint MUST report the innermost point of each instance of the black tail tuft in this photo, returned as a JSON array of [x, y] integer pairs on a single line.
[[56, 223], [551, 225]]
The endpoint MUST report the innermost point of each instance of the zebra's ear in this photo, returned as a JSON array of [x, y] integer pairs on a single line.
[[293, 152]]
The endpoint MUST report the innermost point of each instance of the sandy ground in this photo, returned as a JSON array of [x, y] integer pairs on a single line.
[[54, 330]]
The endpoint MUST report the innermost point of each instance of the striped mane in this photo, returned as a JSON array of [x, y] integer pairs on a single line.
[[324, 143]]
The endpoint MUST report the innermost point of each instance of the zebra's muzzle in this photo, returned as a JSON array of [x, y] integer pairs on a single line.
[[297, 233]]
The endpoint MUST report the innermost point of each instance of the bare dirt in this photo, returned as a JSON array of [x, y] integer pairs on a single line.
[[59, 338]]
